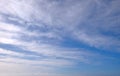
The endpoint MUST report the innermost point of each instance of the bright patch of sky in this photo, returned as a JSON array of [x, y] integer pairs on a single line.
[[59, 37]]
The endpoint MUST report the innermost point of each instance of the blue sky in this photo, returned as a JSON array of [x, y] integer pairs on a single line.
[[59, 38]]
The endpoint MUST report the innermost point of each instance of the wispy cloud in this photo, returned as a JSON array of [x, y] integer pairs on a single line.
[[41, 27]]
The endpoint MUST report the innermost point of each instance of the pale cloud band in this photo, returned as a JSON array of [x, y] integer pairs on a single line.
[[40, 28]]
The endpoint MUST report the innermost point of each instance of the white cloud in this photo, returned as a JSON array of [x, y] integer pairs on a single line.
[[41, 26], [41, 21], [11, 34], [59, 13], [42, 62], [9, 27], [68, 18], [8, 52]]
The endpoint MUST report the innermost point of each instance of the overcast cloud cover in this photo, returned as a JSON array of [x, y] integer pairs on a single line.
[[59, 37]]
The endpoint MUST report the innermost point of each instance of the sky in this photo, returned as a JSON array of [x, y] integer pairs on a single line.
[[59, 37]]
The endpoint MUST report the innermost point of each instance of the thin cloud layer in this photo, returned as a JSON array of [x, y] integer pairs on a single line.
[[59, 33]]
